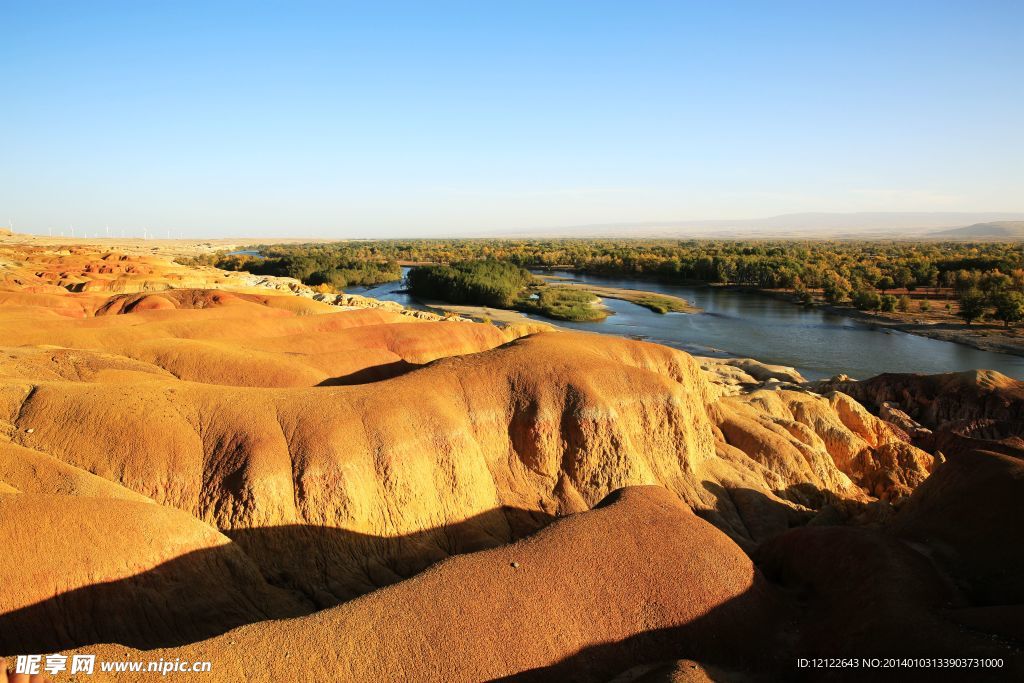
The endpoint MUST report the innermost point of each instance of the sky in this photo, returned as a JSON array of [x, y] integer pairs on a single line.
[[379, 119]]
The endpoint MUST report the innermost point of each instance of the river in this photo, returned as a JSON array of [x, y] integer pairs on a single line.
[[750, 325]]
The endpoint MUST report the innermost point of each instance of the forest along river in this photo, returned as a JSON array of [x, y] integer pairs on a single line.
[[750, 325]]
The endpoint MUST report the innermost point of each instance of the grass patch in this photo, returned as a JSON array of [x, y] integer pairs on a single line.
[[661, 304], [562, 303]]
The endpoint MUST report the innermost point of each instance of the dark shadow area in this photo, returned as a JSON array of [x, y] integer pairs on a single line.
[[1000, 436], [944, 578], [935, 400], [821, 592], [375, 373], [752, 632], [969, 514], [751, 517], [267, 573], [866, 594]]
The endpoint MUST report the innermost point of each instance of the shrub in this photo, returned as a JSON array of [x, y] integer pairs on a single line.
[[866, 300], [564, 303]]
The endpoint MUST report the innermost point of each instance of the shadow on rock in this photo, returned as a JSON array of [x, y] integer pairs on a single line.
[[207, 592]]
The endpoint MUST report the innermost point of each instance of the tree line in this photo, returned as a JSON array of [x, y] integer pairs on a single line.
[[487, 283], [986, 278], [317, 265]]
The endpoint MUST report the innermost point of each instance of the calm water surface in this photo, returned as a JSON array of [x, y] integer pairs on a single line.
[[744, 324]]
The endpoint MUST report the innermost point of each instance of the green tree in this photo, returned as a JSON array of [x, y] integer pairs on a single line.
[[803, 295], [837, 289], [1009, 307], [994, 282], [903, 305], [887, 303], [972, 306], [884, 283], [965, 280], [931, 278], [866, 300], [904, 277], [787, 279], [487, 283]]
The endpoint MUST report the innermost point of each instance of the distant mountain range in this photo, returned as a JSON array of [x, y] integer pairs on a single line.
[[874, 225], [997, 230]]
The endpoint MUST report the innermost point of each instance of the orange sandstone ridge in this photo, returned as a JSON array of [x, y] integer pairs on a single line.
[[185, 451]]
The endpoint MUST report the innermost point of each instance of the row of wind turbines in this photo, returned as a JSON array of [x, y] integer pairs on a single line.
[[147, 234]]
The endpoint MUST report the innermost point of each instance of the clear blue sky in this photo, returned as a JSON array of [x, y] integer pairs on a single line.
[[383, 118]]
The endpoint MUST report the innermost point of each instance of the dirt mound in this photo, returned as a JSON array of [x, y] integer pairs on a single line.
[[177, 299], [28, 471], [865, 594], [790, 430], [105, 569], [639, 578], [943, 576], [217, 337], [969, 513], [87, 269], [449, 442], [174, 299], [487, 446], [299, 436], [936, 399], [43, 304]]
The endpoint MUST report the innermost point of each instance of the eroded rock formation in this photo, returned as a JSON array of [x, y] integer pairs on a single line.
[[257, 454]]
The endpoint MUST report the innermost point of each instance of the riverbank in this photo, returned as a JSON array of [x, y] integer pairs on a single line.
[[932, 324], [983, 336], [479, 313]]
